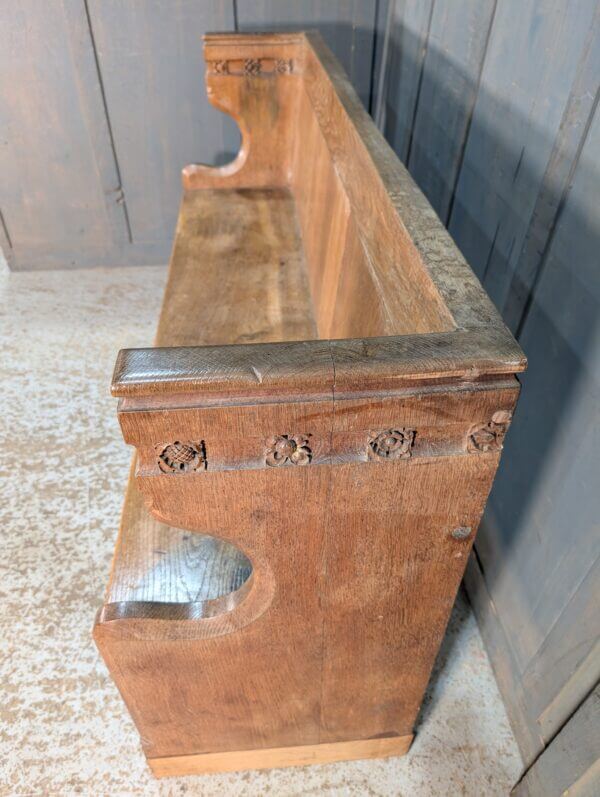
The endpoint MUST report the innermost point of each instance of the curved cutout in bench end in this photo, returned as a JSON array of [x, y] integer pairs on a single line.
[[139, 620], [253, 79]]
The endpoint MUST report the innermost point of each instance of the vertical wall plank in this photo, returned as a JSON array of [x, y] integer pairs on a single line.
[[545, 506], [456, 47], [571, 764], [408, 34], [557, 178], [525, 85], [346, 25], [59, 187], [518, 178], [383, 12], [567, 665], [150, 57]]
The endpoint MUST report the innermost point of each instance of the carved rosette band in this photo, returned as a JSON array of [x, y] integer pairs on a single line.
[[292, 449], [489, 436], [252, 67], [391, 444], [182, 457]]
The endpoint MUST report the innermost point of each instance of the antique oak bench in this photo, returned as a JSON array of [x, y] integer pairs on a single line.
[[317, 431]]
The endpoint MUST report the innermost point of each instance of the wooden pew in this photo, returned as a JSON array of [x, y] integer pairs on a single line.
[[316, 431]]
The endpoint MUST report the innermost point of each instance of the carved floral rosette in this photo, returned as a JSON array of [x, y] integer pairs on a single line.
[[490, 436], [391, 444], [285, 448], [180, 457]]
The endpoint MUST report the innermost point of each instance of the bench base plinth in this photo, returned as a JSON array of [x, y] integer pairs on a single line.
[[275, 757]]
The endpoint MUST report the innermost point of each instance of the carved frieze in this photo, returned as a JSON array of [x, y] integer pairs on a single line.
[[252, 67], [388, 445]]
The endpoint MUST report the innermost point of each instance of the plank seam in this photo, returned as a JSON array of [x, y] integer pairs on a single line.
[[119, 188], [463, 148], [555, 222], [419, 85]]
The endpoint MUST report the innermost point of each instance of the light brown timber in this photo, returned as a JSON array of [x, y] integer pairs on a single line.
[[279, 757]]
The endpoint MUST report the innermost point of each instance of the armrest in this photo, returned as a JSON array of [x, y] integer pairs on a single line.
[[312, 369]]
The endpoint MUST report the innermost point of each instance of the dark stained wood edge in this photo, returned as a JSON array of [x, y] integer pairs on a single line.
[[138, 620], [304, 367], [254, 39], [312, 370], [193, 610]]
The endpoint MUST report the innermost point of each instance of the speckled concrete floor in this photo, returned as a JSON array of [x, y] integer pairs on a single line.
[[63, 727]]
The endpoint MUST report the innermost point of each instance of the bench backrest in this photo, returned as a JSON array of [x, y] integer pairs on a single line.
[[304, 127]]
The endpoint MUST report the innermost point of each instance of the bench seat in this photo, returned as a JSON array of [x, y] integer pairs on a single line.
[[237, 275]]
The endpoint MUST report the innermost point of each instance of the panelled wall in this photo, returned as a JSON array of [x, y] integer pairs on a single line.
[[493, 107], [102, 102], [492, 104]]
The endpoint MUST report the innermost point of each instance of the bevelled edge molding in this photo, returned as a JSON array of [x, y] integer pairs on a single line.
[[305, 370]]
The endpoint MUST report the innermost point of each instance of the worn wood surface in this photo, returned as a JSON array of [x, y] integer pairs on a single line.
[[351, 473], [253, 286], [257, 84], [156, 563]]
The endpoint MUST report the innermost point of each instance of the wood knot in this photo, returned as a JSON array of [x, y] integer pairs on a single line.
[[461, 533]]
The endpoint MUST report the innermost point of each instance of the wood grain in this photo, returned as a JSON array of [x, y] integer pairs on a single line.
[[154, 562], [253, 285]]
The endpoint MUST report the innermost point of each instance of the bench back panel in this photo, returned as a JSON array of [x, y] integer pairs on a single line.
[[365, 274]]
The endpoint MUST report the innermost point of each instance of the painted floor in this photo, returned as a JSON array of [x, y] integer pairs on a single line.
[[63, 727]]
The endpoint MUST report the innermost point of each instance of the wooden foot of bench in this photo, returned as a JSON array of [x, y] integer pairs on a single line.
[[303, 755]]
